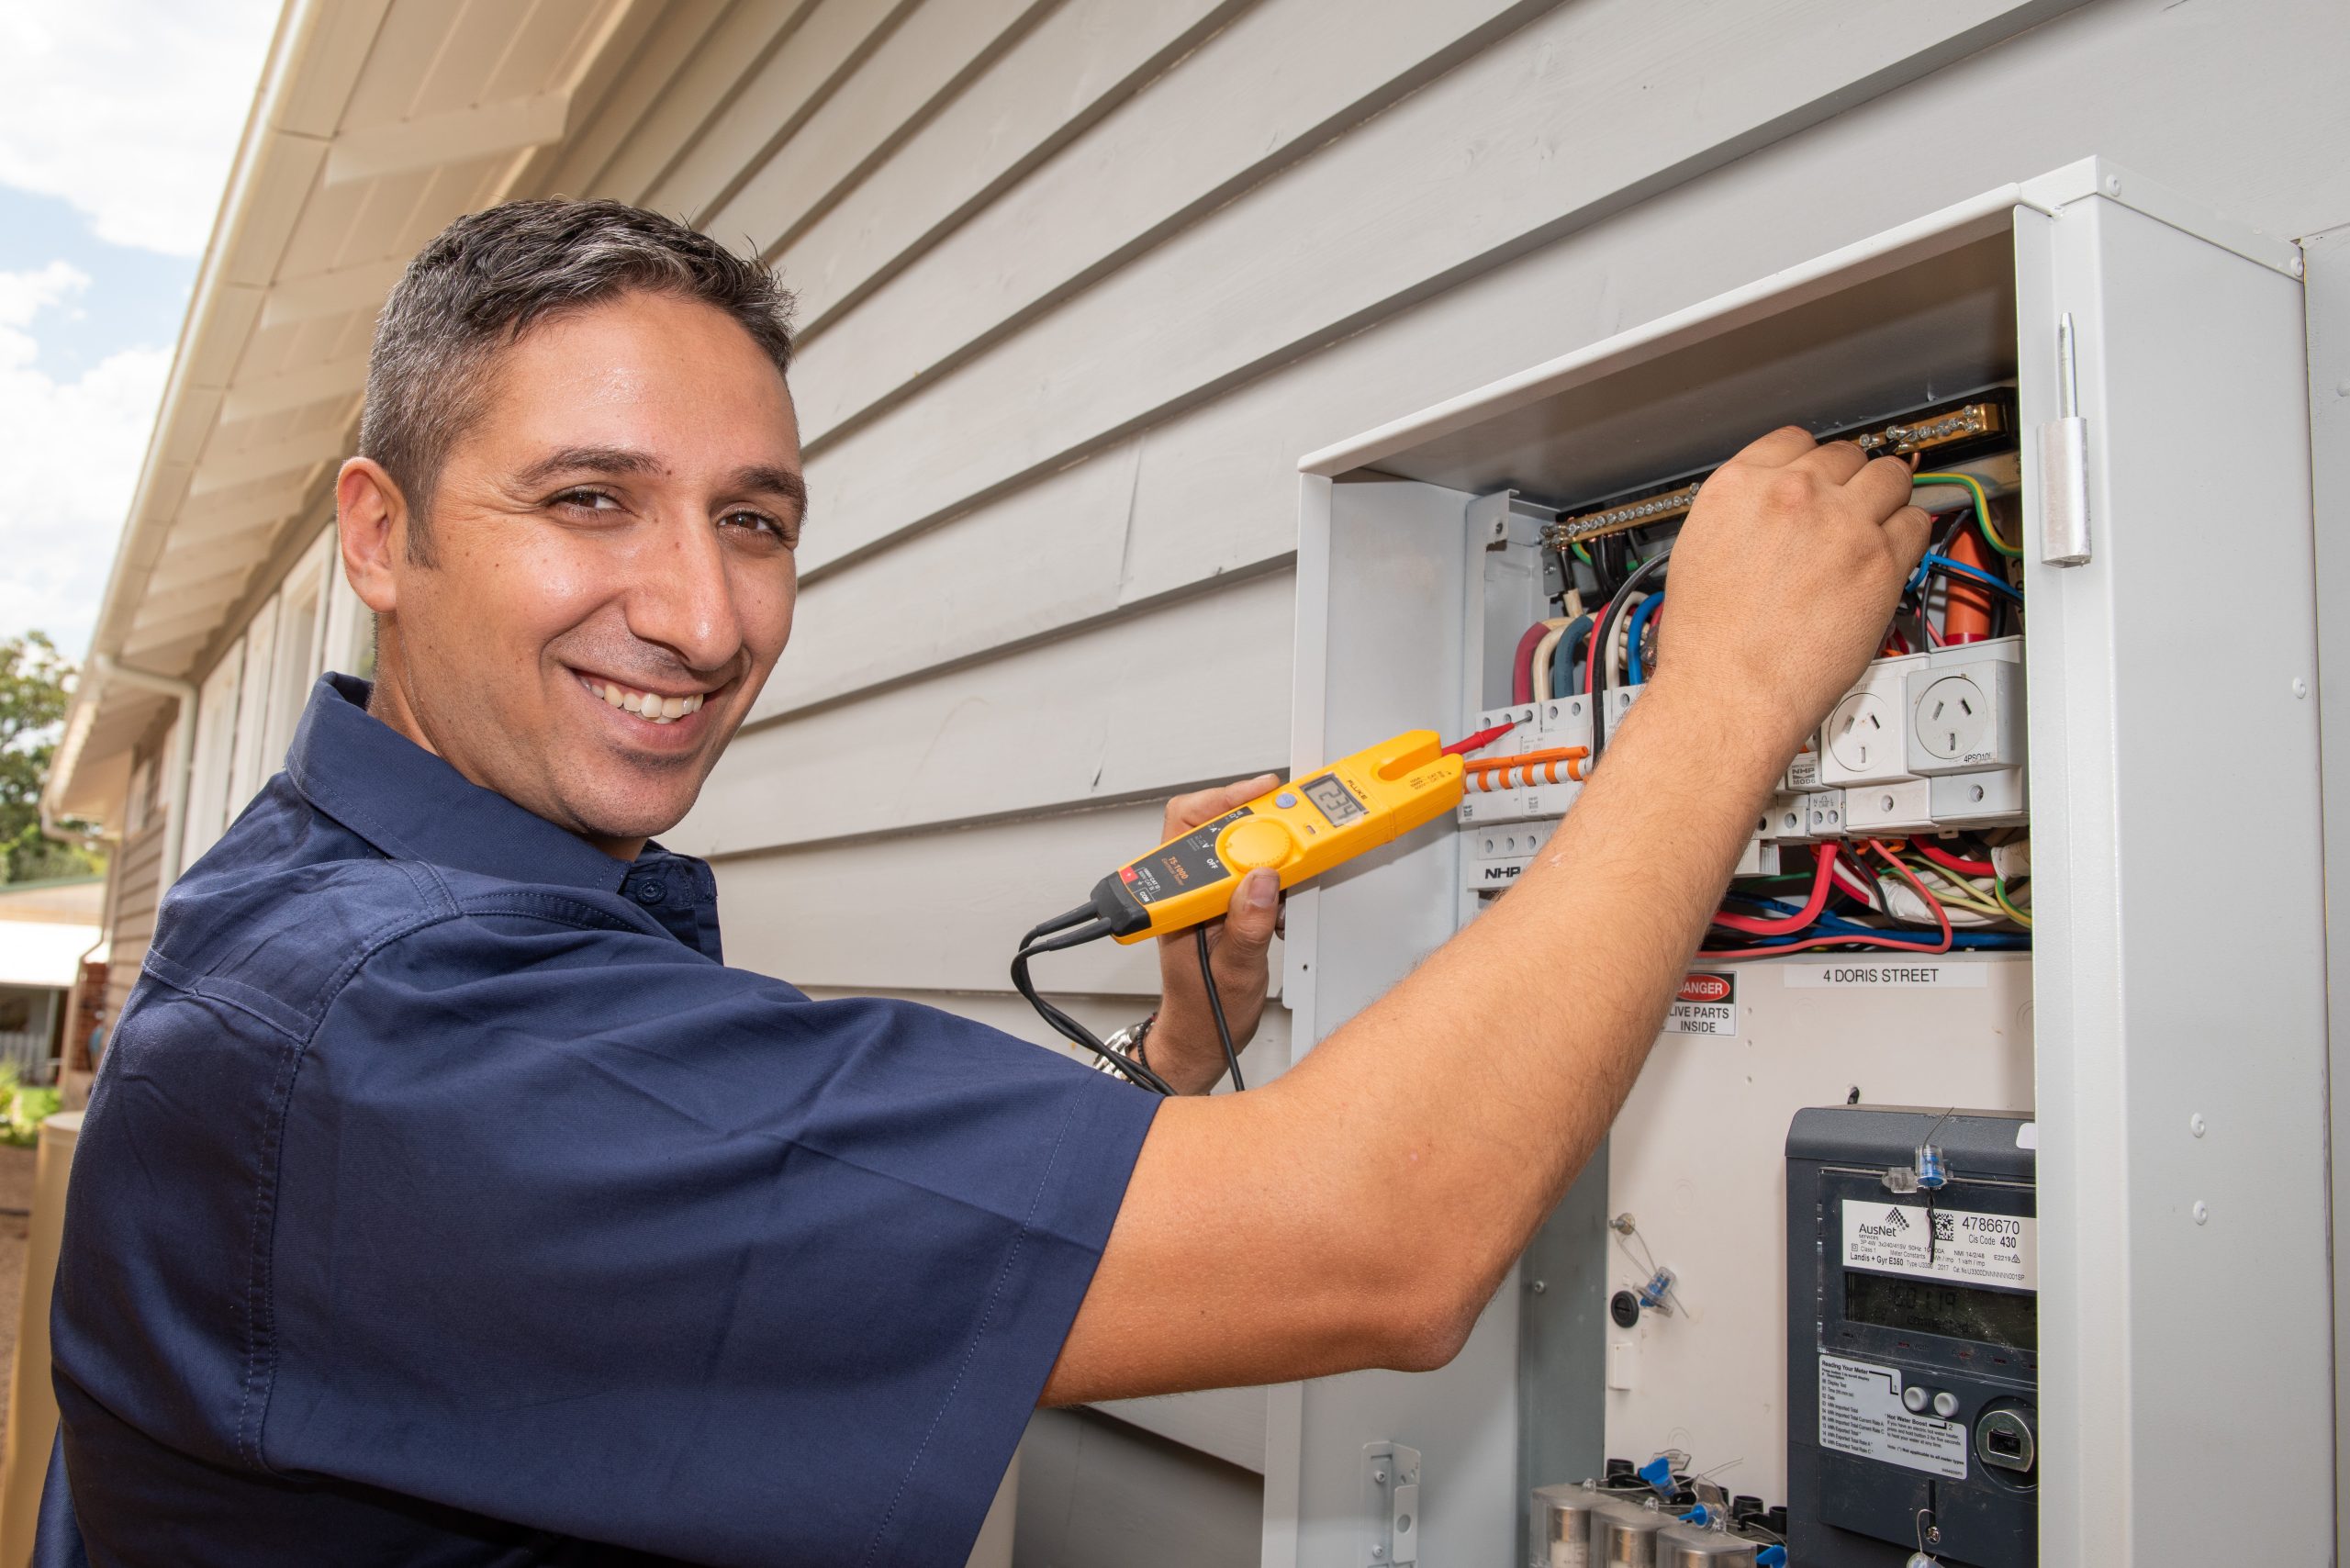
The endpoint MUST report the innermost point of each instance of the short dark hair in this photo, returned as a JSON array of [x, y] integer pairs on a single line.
[[489, 277]]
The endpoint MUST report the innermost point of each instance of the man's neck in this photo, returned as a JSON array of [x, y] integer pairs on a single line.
[[388, 701]]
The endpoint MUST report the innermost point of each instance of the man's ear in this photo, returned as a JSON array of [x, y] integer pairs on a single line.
[[371, 515]]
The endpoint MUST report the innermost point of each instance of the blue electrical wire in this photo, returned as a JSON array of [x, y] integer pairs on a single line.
[[1633, 626], [1562, 658], [1933, 563]]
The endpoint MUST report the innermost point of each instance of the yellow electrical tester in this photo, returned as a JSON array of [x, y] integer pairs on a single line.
[[1301, 830]]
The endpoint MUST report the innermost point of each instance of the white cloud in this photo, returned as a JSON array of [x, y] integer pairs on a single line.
[[69, 458], [130, 109]]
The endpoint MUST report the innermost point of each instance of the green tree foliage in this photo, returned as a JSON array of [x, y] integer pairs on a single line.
[[34, 685]]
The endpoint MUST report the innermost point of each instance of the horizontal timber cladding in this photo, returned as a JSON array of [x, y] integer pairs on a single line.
[[135, 868], [1080, 61], [1330, 243], [939, 911], [1188, 692]]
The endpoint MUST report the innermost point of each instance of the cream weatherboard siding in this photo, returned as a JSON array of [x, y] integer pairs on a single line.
[[1082, 280]]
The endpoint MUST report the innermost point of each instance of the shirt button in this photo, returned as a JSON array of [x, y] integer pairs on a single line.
[[652, 892]]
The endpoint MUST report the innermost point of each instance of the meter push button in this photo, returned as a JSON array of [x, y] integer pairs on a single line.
[[1913, 1399], [1945, 1404], [1254, 842], [1285, 799]]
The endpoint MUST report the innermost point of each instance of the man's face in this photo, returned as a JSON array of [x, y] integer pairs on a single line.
[[613, 574]]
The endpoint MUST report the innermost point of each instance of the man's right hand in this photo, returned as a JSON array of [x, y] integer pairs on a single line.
[[1784, 580]]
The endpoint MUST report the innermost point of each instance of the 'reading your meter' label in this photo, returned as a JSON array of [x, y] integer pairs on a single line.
[[1957, 1245], [1861, 1413]]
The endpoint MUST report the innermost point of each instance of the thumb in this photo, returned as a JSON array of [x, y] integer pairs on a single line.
[[1248, 925]]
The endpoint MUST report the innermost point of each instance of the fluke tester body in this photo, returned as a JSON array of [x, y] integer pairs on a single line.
[[1299, 830]]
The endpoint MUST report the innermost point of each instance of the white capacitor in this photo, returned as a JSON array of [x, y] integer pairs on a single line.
[[1625, 1536], [1685, 1546], [1563, 1518]]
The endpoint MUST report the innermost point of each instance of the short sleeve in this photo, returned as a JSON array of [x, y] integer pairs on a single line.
[[579, 1229]]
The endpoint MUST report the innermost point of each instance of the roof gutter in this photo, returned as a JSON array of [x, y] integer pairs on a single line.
[[298, 26]]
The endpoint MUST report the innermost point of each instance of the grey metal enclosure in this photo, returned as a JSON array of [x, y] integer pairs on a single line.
[[2166, 1055]]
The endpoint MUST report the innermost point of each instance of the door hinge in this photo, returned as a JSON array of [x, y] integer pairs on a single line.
[[1392, 1473], [2064, 464]]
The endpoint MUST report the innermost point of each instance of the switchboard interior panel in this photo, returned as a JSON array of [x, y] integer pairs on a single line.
[[1946, 914]]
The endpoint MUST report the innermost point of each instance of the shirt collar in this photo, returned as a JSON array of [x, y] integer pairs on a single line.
[[412, 805]]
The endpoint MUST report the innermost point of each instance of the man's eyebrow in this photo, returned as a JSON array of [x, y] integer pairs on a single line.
[[766, 479], [589, 459]]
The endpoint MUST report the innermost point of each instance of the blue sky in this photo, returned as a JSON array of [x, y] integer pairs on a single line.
[[118, 120]]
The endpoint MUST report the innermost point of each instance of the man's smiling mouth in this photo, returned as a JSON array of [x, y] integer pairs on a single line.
[[643, 704]]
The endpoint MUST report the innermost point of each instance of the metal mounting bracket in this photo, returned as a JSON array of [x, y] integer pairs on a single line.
[[1393, 1473]]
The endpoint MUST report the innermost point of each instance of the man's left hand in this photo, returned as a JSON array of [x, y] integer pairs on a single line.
[[1182, 1047]]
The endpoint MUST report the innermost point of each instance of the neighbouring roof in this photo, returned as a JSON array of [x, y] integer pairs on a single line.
[[70, 898], [47, 926], [375, 122]]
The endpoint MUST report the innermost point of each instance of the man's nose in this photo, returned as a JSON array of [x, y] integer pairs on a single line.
[[683, 598]]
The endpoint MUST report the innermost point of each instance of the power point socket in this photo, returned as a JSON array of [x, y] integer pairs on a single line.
[[1865, 740], [1965, 715]]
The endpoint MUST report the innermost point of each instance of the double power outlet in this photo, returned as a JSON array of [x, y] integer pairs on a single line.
[[1924, 741]]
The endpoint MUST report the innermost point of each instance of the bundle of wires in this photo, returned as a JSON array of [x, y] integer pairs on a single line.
[[1630, 611], [1961, 903], [1941, 573]]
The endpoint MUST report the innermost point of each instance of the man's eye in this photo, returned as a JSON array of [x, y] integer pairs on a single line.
[[585, 501], [760, 523]]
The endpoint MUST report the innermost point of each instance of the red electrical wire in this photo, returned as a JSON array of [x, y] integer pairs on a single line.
[[1949, 862], [1942, 918], [1784, 924], [1467, 744], [1521, 668]]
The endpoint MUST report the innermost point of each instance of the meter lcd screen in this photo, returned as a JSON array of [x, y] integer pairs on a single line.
[[1337, 801], [1930, 1307]]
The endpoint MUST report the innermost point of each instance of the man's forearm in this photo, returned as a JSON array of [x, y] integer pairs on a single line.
[[1456, 1109], [1559, 989], [1362, 1209]]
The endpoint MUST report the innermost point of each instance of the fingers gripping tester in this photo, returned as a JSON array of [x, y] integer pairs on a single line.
[[1298, 830]]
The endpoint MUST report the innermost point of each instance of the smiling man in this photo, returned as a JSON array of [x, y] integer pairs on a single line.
[[446, 1199]]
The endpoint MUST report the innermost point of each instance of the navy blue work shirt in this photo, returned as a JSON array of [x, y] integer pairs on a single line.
[[443, 1199]]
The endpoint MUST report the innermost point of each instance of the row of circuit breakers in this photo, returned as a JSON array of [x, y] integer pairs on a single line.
[[1922, 743], [1912, 1370]]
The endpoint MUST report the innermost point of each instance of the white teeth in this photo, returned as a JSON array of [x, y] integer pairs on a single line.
[[645, 704]]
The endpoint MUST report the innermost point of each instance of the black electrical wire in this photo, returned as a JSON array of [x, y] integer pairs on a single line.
[[1216, 1005], [1060, 922], [1067, 1027]]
